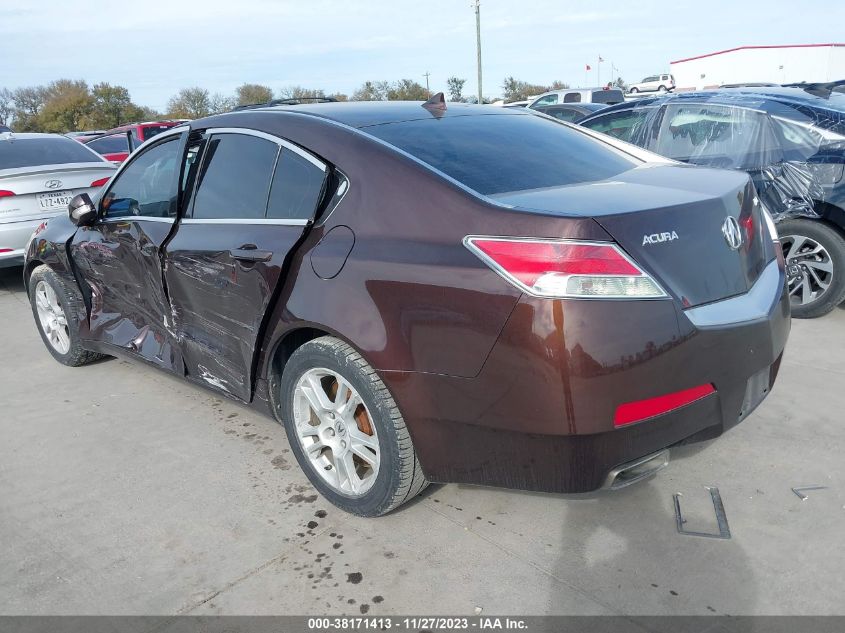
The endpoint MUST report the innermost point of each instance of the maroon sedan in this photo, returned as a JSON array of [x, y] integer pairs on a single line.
[[428, 293]]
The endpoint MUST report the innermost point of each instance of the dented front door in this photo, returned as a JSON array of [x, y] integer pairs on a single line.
[[251, 204], [120, 257]]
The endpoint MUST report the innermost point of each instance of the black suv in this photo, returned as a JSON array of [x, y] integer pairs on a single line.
[[792, 143]]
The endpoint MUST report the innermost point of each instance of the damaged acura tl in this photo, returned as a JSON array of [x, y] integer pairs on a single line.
[[444, 294]]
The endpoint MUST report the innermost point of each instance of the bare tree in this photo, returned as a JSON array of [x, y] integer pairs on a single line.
[[455, 87], [189, 103], [219, 103], [7, 106], [248, 94], [298, 92]]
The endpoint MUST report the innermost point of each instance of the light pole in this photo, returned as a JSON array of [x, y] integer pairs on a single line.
[[426, 75], [476, 4]]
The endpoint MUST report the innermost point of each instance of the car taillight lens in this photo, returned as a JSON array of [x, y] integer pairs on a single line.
[[5, 250], [640, 410], [100, 182], [4, 193], [565, 268]]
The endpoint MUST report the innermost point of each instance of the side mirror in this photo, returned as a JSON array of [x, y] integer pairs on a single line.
[[81, 210]]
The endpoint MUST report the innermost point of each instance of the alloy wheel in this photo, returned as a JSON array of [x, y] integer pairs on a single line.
[[335, 429], [809, 269], [51, 317]]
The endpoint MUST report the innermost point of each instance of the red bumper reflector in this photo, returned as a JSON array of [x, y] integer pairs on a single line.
[[631, 412], [100, 182], [5, 250]]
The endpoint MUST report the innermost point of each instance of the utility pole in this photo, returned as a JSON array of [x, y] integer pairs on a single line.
[[427, 90], [476, 4]]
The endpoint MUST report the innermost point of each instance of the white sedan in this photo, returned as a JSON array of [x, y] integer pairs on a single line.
[[39, 174]]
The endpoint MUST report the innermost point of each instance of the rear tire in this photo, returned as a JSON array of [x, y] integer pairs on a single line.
[[661, 89], [346, 431], [800, 238], [55, 306]]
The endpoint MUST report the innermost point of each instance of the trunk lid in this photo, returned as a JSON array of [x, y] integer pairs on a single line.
[[670, 220], [44, 191]]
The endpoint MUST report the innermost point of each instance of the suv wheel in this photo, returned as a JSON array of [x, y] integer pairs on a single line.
[[55, 306], [815, 266], [346, 431], [661, 89], [635, 89]]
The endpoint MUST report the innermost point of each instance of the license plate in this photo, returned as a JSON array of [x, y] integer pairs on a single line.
[[54, 199]]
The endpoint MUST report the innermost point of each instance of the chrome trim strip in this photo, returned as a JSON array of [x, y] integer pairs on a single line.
[[269, 137], [134, 218], [271, 221], [754, 305]]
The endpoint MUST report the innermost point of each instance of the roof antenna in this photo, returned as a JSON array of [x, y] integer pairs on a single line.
[[435, 102]]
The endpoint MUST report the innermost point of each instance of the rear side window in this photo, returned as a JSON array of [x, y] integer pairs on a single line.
[[113, 144], [716, 136], [234, 179], [31, 152], [562, 114], [499, 153], [608, 96], [623, 124], [297, 187], [572, 97]]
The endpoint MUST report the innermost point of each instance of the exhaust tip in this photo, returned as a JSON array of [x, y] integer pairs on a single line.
[[636, 470]]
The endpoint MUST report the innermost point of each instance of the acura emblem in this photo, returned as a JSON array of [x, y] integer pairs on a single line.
[[733, 236], [53, 184]]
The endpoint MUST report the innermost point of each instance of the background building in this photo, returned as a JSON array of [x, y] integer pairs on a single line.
[[775, 64]]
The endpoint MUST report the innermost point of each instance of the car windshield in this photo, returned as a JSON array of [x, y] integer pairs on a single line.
[[30, 152], [498, 153]]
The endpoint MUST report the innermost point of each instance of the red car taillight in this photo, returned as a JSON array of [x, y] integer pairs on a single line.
[[100, 182], [4, 193], [640, 410], [565, 268]]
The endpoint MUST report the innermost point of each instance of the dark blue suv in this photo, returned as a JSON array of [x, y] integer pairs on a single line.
[[792, 143]]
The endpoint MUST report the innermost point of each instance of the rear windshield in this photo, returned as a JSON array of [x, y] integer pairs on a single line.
[[151, 130], [498, 153], [31, 152], [608, 97]]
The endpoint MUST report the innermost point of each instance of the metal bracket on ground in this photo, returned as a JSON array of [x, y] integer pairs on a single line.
[[721, 518], [800, 491]]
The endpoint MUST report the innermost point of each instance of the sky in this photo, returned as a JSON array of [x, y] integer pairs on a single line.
[[157, 47]]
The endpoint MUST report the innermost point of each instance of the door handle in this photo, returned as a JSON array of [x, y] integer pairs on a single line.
[[250, 253]]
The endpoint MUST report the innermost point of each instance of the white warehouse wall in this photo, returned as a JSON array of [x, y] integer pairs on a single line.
[[775, 64]]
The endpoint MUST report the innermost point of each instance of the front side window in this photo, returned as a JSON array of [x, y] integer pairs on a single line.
[[147, 186], [499, 153], [624, 124], [234, 180], [297, 187], [47, 150], [112, 144], [715, 135], [563, 114]]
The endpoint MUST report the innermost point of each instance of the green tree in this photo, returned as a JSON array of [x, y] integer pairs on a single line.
[[372, 91], [68, 104], [407, 90], [249, 94], [112, 106], [456, 88], [516, 90], [7, 106], [189, 103], [28, 104]]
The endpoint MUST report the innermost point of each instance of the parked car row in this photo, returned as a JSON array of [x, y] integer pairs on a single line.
[[792, 144]]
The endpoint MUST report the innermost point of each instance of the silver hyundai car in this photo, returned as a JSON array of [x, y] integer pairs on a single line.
[[39, 174]]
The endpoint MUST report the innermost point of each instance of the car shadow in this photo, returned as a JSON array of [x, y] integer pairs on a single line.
[[11, 280]]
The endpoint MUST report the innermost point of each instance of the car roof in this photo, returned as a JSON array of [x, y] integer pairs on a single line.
[[15, 136], [359, 114]]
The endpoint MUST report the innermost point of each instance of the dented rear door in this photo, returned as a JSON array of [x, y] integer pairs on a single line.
[[253, 198]]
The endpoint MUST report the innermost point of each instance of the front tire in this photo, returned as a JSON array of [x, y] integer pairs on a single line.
[[346, 431], [55, 306], [815, 266], [634, 90]]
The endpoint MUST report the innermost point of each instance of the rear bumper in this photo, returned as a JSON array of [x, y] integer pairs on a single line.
[[539, 416], [15, 235]]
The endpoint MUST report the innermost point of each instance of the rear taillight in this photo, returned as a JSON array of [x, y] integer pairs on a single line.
[[640, 410], [100, 182], [4, 193], [5, 250], [565, 268]]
